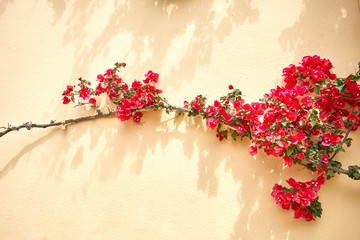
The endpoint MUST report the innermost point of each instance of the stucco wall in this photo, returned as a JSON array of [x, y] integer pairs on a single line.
[[168, 178]]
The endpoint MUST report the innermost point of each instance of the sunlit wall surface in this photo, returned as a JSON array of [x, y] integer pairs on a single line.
[[169, 177]]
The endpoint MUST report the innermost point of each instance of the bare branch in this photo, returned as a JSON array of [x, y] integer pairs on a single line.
[[53, 123], [30, 125]]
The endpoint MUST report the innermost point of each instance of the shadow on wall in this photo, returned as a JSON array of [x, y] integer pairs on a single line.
[[3, 5], [108, 162], [59, 7], [28, 148], [255, 176], [325, 24], [153, 27]]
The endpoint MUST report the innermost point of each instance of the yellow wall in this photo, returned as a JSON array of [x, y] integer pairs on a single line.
[[168, 178]]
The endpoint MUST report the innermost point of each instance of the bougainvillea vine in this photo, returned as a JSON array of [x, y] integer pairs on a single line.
[[307, 121]]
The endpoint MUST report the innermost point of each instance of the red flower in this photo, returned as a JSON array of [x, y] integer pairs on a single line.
[[240, 129], [237, 104], [85, 93], [210, 110], [308, 216], [100, 78], [136, 84], [227, 117], [140, 104], [320, 171], [137, 117], [301, 155], [277, 151], [298, 138], [231, 87], [151, 77], [92, 101], [99, 89], [293, 183], [325, 158], [307, 102], [221, 136], [109, 72], [252, 150], [308, 194], [326, 140], [66, 100], [292, 197], [356, 92], [321, 179], [217, 104], [123, 111], [336, 138], [69, 89], [292, 116], [212, 122], [288, 161]]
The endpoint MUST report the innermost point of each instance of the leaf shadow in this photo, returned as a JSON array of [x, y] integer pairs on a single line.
[[328, 35], [131, 24]]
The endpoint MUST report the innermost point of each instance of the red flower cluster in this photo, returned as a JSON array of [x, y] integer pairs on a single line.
[[67, 94], [331, 139], [151, 77], [301, 197], [129, 99], [305, 120], [311, 70]]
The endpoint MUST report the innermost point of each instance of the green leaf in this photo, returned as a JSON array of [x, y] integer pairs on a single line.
[[337, 148], [341, 87], [313, 122], [348, 142], [226, 134], [279, 143], [290, 150], [311, 166], [317, 89], [353, 172], [234, 135], [285, 121], [354, 77]]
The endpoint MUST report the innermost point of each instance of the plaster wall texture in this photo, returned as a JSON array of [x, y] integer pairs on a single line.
[[168, 178]]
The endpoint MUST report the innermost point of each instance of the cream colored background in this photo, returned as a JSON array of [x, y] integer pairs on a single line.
[[168, 178]]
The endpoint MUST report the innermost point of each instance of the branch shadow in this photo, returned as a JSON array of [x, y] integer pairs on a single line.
[[28, 148], [255, 176], [149, 30], [3, 5], [58, 7], [328, 35]]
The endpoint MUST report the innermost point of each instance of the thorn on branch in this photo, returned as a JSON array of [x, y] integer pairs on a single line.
[[28, 125]]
